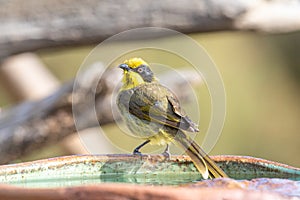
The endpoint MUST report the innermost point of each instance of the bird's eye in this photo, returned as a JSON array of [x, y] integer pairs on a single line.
[[140, 70]]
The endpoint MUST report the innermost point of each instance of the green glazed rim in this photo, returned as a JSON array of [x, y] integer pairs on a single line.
[[147, 169]]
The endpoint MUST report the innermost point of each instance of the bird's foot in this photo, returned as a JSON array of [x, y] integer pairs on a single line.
[[136, 152], [167, 153]]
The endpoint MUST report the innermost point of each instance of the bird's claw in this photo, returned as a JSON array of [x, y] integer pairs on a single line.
[[167, 153], [137, 153]]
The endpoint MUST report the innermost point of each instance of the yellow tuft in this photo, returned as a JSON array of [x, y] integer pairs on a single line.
[[135, 62]]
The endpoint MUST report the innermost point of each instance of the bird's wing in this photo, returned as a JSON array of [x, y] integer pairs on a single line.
[[154, 102], [185, 123]]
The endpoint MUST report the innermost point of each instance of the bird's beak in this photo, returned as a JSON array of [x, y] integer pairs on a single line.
[[124, 67]]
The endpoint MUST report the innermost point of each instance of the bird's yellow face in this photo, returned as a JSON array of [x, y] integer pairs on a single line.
[[136, 72]]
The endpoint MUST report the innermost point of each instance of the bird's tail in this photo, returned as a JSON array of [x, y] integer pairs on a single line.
[[205, 165]]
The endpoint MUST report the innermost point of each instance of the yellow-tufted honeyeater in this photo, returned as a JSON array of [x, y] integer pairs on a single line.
[[152, 112]]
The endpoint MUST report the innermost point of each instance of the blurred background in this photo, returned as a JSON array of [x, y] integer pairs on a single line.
[[261, 74]]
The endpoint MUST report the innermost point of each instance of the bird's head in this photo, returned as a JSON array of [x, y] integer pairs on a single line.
[[136, 72]]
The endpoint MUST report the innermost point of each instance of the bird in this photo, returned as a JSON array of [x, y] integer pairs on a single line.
[[152, 112]]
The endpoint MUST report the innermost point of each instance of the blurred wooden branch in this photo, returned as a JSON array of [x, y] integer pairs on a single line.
[[31, 125], [27, 77], [31, 25]]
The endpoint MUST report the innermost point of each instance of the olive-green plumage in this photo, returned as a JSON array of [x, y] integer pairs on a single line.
[[152, 112]]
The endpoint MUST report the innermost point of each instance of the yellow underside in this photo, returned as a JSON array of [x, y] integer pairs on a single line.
[[161, 138]]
